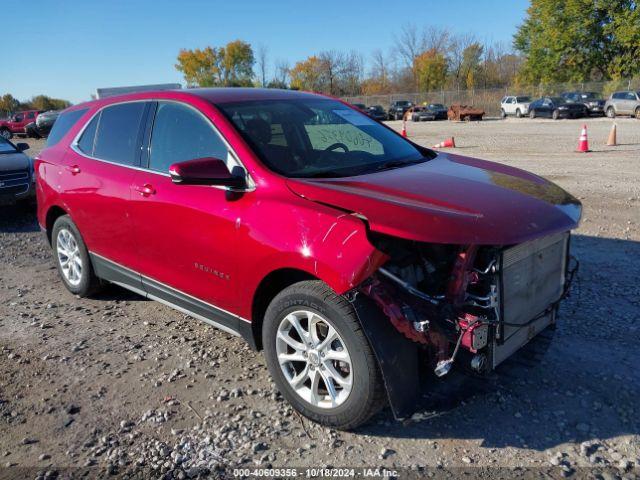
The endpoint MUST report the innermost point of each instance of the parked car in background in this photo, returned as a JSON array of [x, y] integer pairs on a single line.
[[377, 112], [593, 104], [432, 111], [514, 105], [398, 108], [623, 103], [360, 106], [555, 107], [16, 173], [17, 123], [356, 259], [42, 126]]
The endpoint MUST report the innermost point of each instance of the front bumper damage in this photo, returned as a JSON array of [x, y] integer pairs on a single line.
[[493, 301]]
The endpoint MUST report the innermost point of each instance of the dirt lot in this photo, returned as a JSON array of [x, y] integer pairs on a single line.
[[120, 385]]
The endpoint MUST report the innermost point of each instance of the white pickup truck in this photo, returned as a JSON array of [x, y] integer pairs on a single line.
[[514, 105]]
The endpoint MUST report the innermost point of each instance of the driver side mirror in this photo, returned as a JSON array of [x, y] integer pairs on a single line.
[[207, 171]]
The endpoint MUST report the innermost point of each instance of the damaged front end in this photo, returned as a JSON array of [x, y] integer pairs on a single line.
[[470, 305]]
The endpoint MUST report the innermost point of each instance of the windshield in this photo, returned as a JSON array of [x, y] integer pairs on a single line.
[[523, 99], [6, 146], [318, 138]]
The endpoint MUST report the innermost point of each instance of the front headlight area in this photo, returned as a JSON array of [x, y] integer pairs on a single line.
[[443, 297]]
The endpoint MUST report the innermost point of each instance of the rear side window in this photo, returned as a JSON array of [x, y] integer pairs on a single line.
[[63, 124], [180, 133], [114, 134]]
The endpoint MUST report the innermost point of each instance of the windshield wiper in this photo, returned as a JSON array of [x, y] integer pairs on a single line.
[[396, 164]]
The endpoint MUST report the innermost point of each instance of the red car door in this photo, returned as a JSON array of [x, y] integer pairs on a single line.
[[96, 180], [186, 234]]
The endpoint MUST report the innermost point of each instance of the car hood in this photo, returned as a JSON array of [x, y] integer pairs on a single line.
[[451, 199], [14, 161]]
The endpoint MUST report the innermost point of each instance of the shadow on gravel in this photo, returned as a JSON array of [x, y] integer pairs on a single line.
[[580, 386], [18, 218]]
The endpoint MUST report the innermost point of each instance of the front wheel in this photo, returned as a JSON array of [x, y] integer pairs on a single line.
[[5, 133], [638, 113], [611, 113], [555, 115], [532, 114], [72, 258], [518, 113], [503, 114], [319, 356]]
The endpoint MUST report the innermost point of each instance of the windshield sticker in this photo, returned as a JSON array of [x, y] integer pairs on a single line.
[[354, 118]]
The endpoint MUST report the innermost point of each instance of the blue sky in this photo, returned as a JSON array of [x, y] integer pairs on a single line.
[[67, 48]]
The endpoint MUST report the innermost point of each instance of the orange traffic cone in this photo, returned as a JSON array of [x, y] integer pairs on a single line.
[[612, 137], [583, 143], [404, 128], [448, 143]]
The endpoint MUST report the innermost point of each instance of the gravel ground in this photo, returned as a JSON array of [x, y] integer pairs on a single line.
[[118, 385]]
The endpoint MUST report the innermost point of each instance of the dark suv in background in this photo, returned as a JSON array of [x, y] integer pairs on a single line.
[[16, 173], [398, 108], [593, 103]]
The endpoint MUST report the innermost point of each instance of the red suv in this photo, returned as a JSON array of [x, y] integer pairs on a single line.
[[362, 263], [17, 123]]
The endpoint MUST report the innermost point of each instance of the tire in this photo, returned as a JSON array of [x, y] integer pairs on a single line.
[[518, 113], [353, 404], [637, 113], [532, 114], [66, 241], [503, 114], [555, 115], [6, 133], [611, 113]]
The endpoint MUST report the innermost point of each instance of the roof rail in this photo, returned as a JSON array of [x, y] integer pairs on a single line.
[[110, 92]]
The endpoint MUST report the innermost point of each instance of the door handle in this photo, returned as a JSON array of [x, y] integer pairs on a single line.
[[145, 190], [74, 169]]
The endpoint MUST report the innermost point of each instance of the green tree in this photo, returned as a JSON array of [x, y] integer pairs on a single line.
[[229, 66], [43, 102], [577, 40], [8, 104], [430, 69], [471, 60]]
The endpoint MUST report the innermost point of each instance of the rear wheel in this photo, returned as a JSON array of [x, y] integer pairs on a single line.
[[518, 113], [611, 113], [532, 114], [319, 356], [638, 113], [5, 133], [72, 258], [555, 115]]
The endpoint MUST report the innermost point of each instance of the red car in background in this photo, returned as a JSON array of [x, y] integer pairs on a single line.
[[358, 260], [17, 123]]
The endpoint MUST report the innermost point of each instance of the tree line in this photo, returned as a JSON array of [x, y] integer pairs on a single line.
[[9, 104], [558, 41]]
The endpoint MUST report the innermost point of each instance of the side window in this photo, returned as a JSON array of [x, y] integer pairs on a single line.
[[19, 117], [31, 115], [617, 95], [63, 124], [180, 133], [118, 133], [87, 140], [631, 96]]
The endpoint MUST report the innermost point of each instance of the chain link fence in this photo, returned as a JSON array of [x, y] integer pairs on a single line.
[[489, 99]]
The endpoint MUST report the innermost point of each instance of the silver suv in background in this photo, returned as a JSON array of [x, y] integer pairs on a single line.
[[623, 103], [514, 105]]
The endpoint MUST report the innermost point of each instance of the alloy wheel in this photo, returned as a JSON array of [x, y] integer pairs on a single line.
[[314, 359], [69, 257], [6, 134]]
